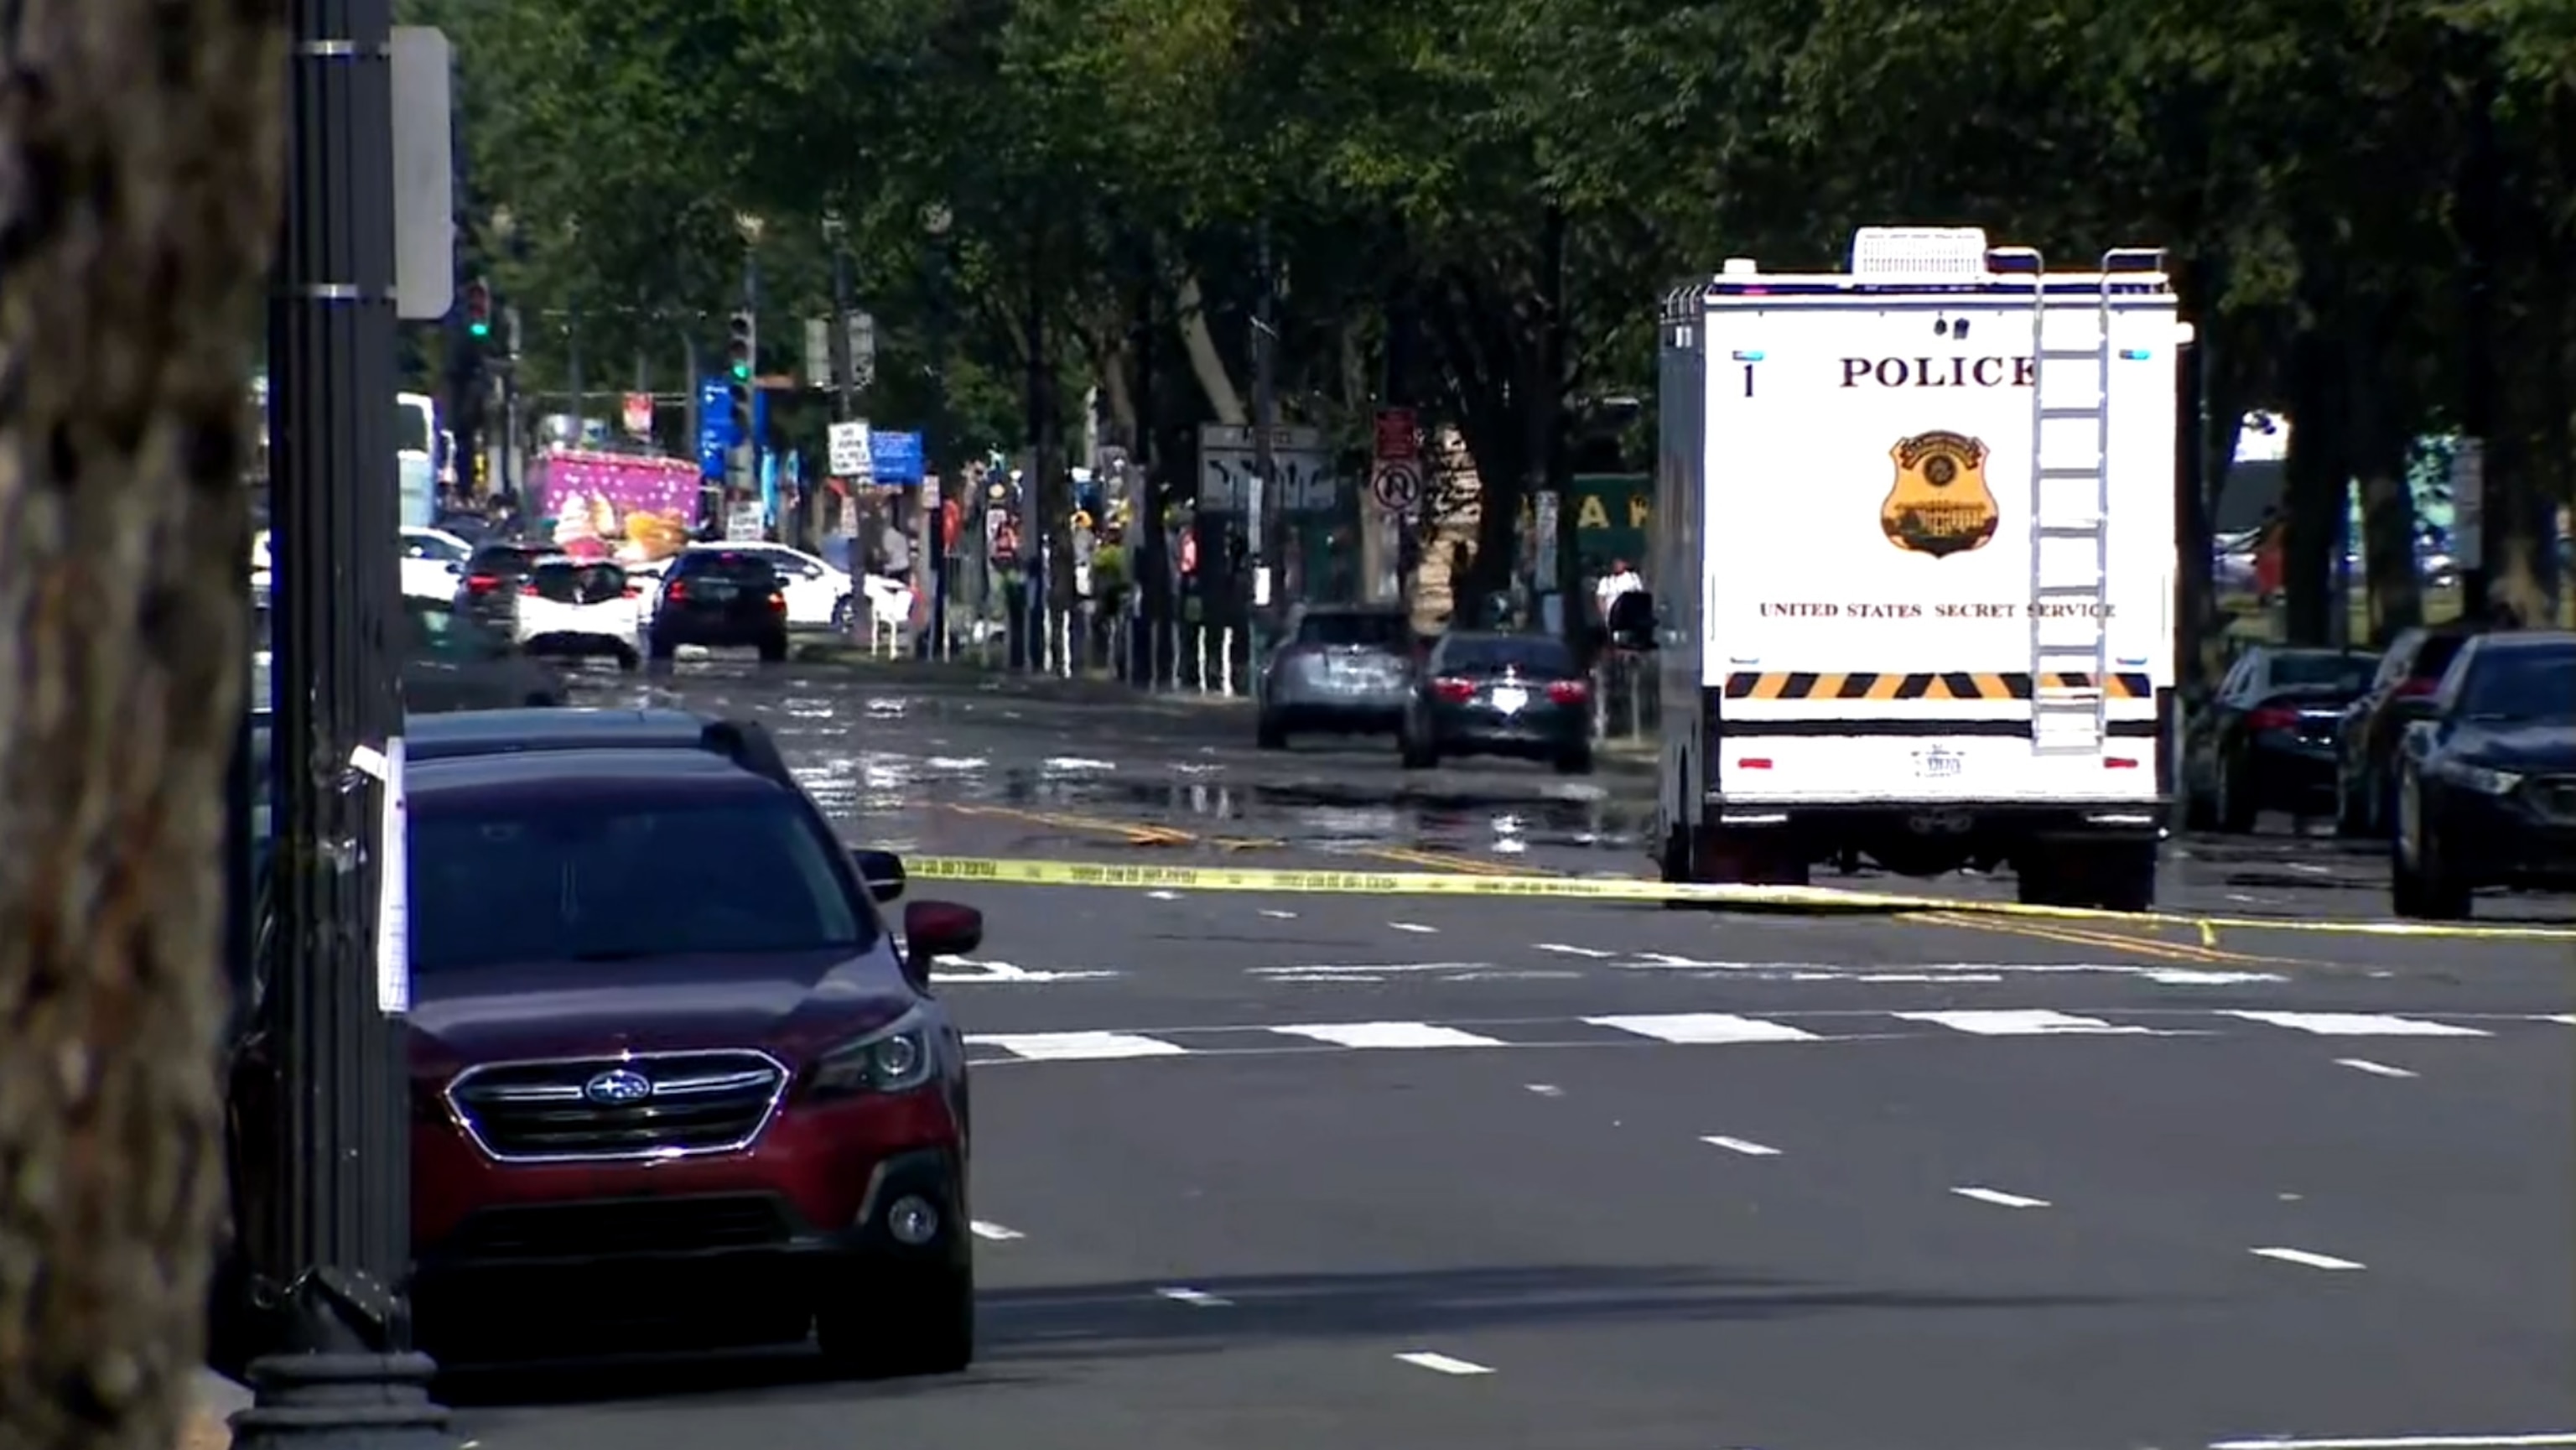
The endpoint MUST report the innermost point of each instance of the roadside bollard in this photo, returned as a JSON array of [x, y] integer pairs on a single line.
[[1225, 662], [1200, 634]]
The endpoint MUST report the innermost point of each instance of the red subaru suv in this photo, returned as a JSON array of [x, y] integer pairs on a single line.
[[670, 1069]]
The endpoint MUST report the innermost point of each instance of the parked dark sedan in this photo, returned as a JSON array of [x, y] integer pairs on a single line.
[[2486, 792], [2267, 740], [1344, 669], [451, 662], [1500, 694], [2366, 738]]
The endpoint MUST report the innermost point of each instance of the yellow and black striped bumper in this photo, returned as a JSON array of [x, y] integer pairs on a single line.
[[1950, 685]]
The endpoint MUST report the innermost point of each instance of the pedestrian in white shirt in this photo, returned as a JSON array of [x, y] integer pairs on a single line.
[[1620, 580]]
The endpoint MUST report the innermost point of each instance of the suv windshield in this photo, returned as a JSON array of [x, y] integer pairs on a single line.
[[2524, 684], [494, 883], [1531, 656], [567, 582], [1373, 631]]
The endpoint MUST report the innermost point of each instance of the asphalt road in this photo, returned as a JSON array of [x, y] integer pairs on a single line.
[[1279, 1172]]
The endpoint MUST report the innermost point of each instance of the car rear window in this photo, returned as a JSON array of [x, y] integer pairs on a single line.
[[1531, 656], [747, 569], [2434, 660], [2324, 668], [1374, 631], [506, 559], [567, 582], [2529, 683], [497, 883]]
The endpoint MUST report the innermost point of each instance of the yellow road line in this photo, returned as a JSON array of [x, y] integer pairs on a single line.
[[2068, 933], [1136, 833]]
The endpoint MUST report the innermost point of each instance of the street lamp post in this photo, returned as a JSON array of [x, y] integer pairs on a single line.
[[332, 1256], [935, 224]]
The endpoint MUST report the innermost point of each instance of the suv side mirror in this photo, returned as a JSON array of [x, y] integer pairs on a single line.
[[935, 929], [882, 871]]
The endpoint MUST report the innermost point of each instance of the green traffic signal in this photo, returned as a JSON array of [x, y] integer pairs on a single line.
[[742, 371], [479, 328]]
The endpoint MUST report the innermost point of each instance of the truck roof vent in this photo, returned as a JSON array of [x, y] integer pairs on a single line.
[[1919, 254]]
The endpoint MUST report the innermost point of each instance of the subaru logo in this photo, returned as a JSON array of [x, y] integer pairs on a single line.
[[618, 1088]]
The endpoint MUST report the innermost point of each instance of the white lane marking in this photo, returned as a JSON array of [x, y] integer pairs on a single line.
[[2375, 1069], [1442, 1363], [1195, 1298], [2408, 1442], [1389, 1035], [1546, 1089], [2034, 1022], [2567, 1019], [957, 762], [1563, 950], [2360, 1024], [1415, 927], [1745, 1146], [1077, 762], [1076, 1046], [1704, 1028], [1162, 896], [1999, 1198], [966, 971], [1275, 914], [1366, 969], [2305, 1259], [995, 1232]]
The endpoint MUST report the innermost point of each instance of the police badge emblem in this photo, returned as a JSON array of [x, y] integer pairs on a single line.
[[1940, 504]]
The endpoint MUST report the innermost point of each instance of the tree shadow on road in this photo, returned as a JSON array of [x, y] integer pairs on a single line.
[[1036, 1336]]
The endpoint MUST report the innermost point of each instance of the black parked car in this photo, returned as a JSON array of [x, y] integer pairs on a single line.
[[1345, 668], [719, 599], [1500, 694], [494, 574], [2266, 741], [2486, 789], [452, 663], [2366, 738]]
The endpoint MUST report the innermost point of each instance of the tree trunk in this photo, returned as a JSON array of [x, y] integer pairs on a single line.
[[138, 203], [2314, 506]]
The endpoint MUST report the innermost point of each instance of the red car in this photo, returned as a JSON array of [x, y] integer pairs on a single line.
[[670, 1069]]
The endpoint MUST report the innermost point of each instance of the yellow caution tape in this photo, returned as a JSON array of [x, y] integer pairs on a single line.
[[999, 872]]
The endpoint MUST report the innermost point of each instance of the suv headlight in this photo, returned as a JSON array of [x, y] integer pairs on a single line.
[[2482, 779], [891, 1059]]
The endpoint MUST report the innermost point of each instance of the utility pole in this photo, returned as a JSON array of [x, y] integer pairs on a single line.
[[1265, 421], [2480, 213], [335, 1251], [845, 366], [936, 444]]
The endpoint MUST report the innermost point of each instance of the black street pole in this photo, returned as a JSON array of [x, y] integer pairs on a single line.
[[1265, 420], [938, 444], [845, 381], [335, 1254]]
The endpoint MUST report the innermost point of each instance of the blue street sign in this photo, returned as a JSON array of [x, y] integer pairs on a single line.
[[715, 427], [895, 457]]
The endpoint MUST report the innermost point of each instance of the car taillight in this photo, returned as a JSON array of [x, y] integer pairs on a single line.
[[482, 583], [634, 591], [2418, 689], [676, 589], [2273, 717], [777, 602], [528, 591], [1569, 692], [1456, 692]]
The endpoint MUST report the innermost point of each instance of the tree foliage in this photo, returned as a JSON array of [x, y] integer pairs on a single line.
[[1477, 203]]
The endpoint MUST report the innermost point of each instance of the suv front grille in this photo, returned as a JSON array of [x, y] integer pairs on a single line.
[[623, 1226], [657, 1105]]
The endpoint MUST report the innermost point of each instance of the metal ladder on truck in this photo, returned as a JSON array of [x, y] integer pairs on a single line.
[[2070, 505]]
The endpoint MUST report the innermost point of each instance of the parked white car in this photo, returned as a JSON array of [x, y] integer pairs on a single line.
[[818, 594], [581, 609], [432, 561]]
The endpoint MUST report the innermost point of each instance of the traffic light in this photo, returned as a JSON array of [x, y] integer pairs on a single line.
[[742, 347], [478, 310]]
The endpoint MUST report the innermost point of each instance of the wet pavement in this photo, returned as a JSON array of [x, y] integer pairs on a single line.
[[997, 767], [1280, 1172]]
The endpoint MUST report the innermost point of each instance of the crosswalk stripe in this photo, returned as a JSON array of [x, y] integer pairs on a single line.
[[1389, 1035], [1699, 1029], [2360, 1024], [1077, 1046], [2034, 1022]]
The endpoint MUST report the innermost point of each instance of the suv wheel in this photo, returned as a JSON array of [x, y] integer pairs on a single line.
[[918, 1321], [773, 649]]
